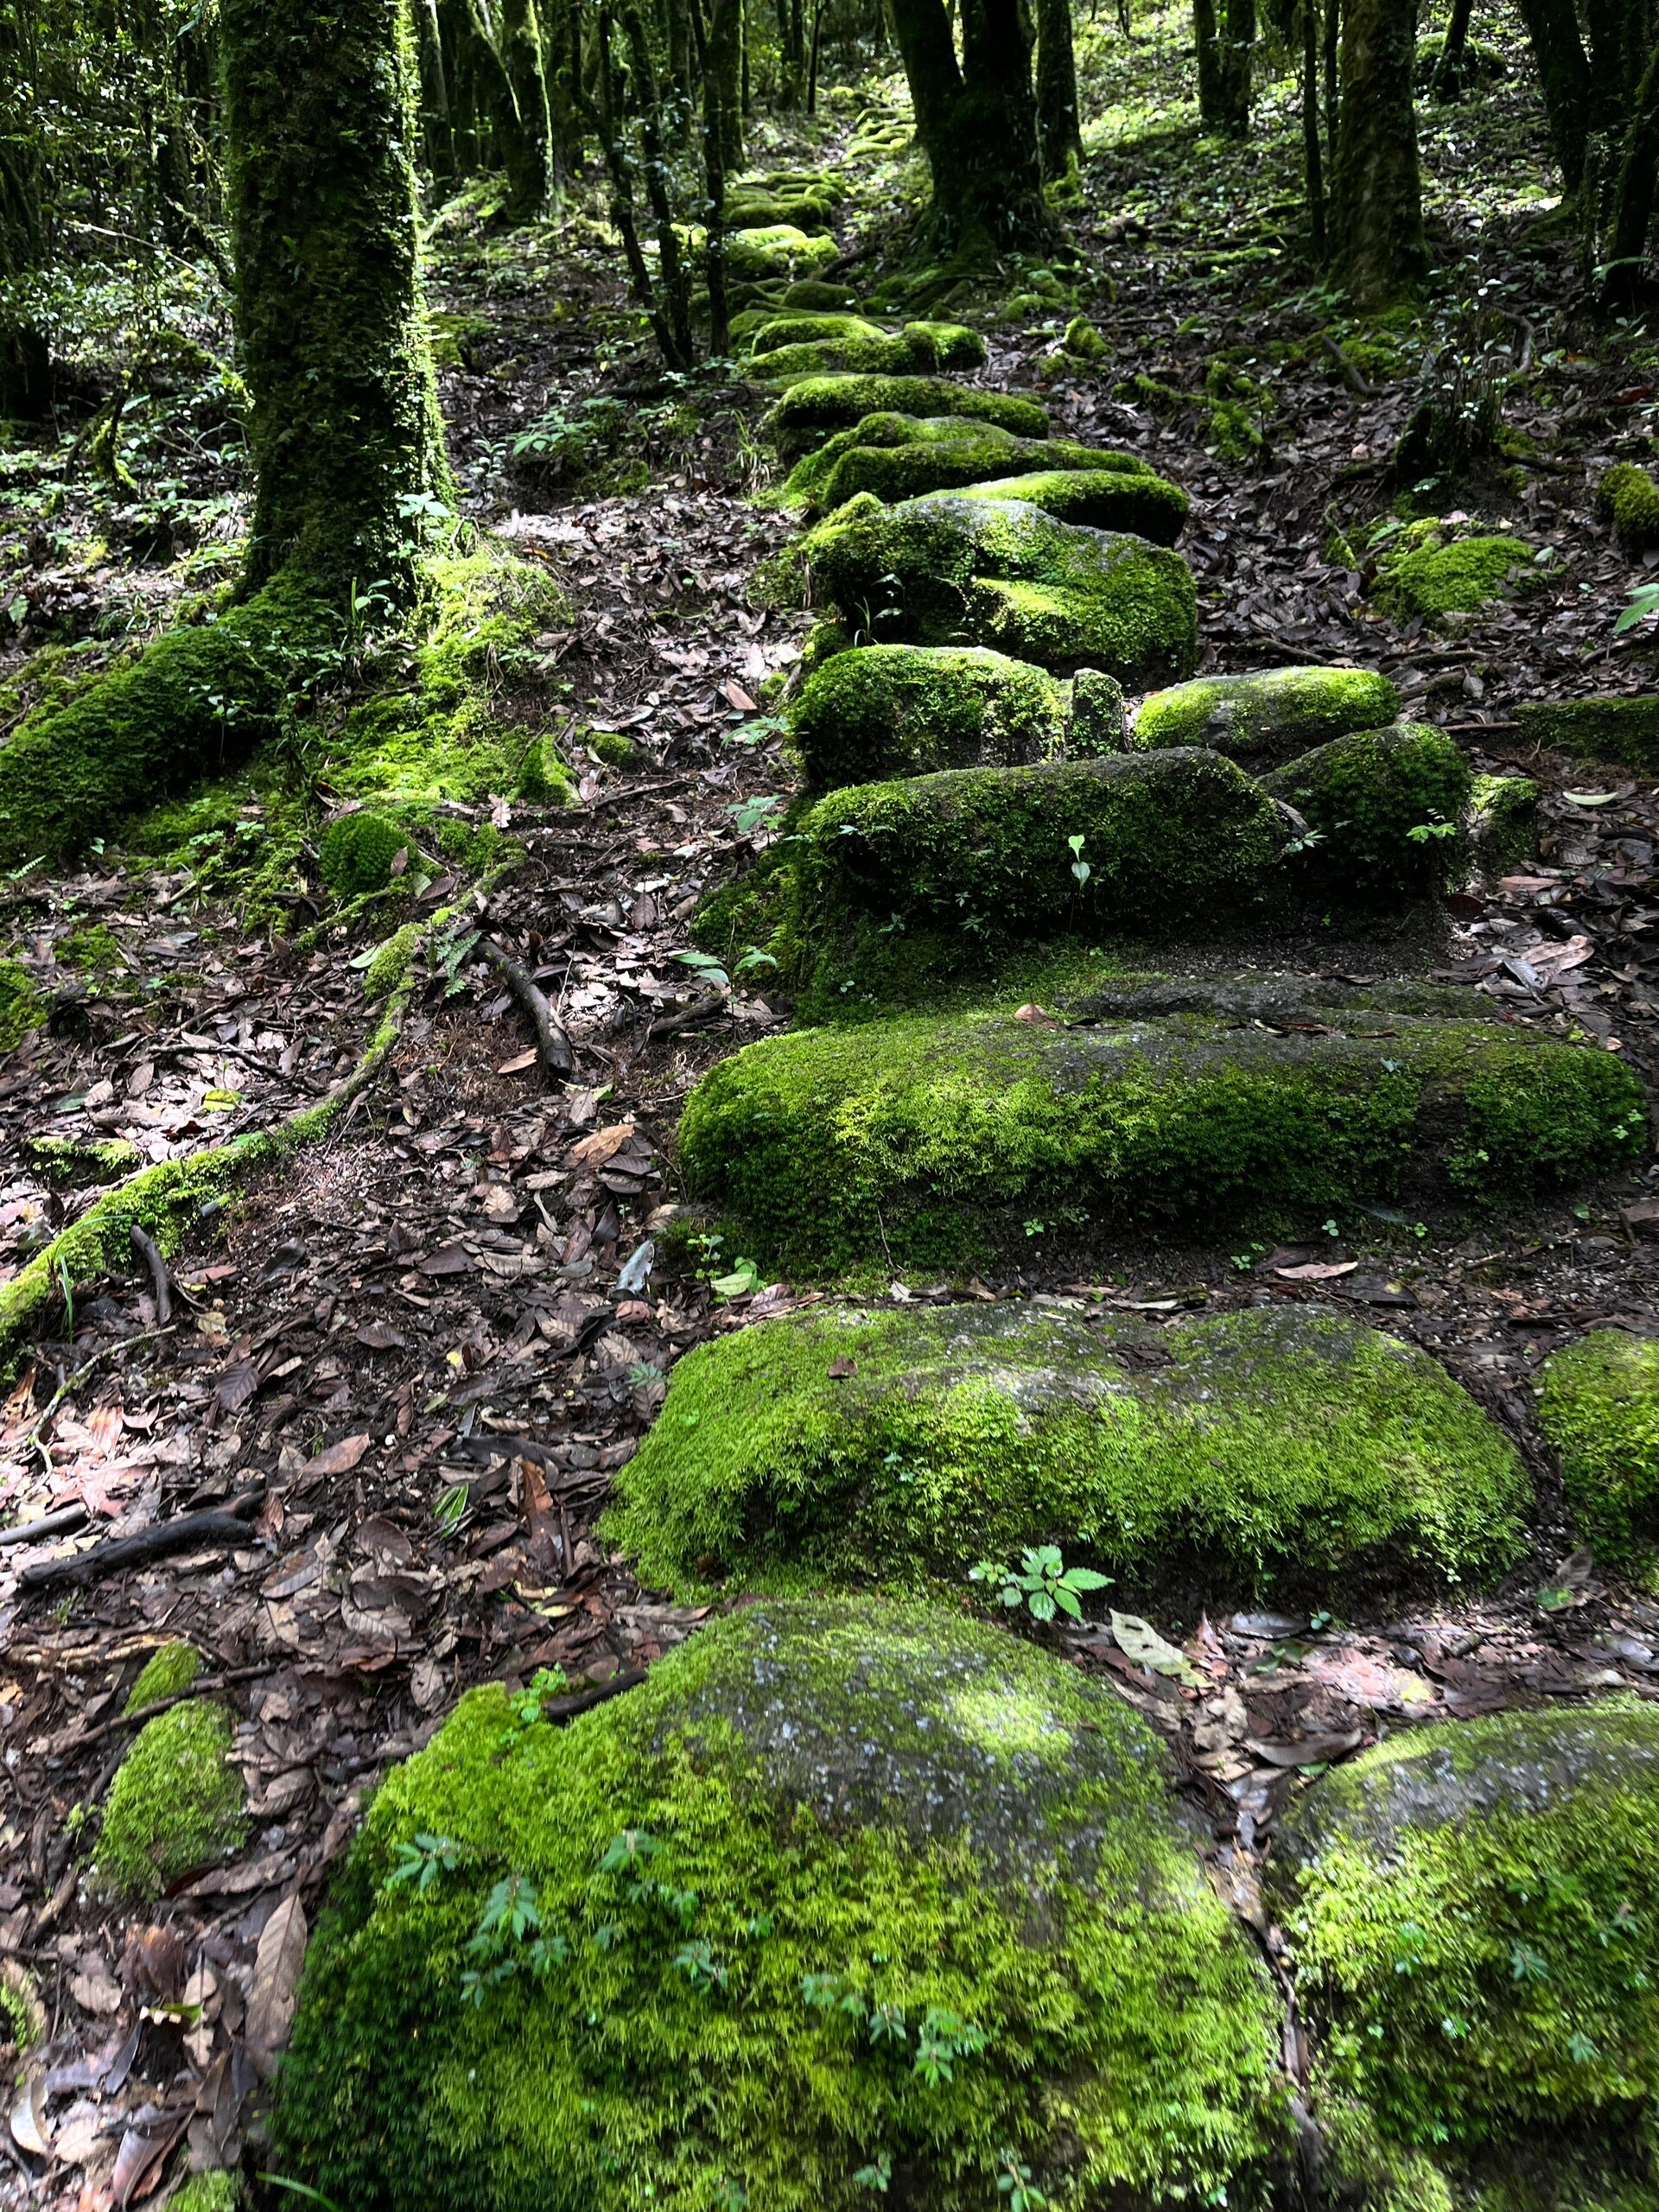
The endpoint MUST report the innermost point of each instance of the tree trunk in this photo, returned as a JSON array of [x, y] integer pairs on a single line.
[[1313, 164], [1633, 210], [1059, 132], [1332, 101], [1212, 75], [523, 125], [1238, 59], [1564, 77], [1382, 231], [345, 432], [1447, 84], [714, 171], [723, 61], [977, 124]]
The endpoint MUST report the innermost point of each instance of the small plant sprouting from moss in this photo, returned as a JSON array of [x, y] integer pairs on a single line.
[[1042, 1582]]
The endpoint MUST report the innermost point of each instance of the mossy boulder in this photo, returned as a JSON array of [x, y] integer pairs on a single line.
[[848, 1890], [1101, 498], [175, 1804], [21, 1007], [1386, 807], [777, 250], [810, 410], [1628, 499], [1234, 1455], [76, 1163], [168, 1669], [902, 456], [1083, 342], [1502, 822], [1457, 576], [357, 850], [937, 1141], [904, 710], [917, 349], [1622, 728], [774, 332], [1260, 996], [940, 874], [1269, 717], [1475, 1950], [945, 570], [1598, 1405]]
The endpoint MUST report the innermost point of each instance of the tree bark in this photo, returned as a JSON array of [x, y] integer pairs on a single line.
[[977, 124], [1627, 253], [524, 126], [345, 432], [1313, 163], [1447, 82], [1237, 67], [1564, 78], [1059, 129], [723, 61], [1382, 230], [1212, 75]]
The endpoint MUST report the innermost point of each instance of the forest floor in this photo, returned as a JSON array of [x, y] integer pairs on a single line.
[[417, 1355]]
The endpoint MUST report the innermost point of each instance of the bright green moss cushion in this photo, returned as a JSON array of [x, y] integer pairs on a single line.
[[947, 870], [1471, 1910], [810, 410], [1269, 717], [175, 1803], [1387, 808], [900, 456], [917, 349], [1616, 728], [903, 710], [1227, 1455], [1598, 1406], [945, 569], [1131, 500], [845, 1889], [937, 1140]]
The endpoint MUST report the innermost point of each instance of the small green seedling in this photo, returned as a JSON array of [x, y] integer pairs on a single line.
[[1042, 1582]]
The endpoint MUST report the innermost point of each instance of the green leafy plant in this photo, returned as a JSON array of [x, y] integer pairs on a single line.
[[1080, 866], [1013, 2181], [422, 1860], [1042, 1582], [942, 2039], [747, 814]]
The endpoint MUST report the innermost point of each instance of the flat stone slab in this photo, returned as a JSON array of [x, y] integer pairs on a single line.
[[935, 1141], [1269, 717], [842, 1881], [1470, 1915], [1237, 1455]]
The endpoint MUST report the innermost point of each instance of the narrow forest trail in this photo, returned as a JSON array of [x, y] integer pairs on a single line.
[[423, 1357]]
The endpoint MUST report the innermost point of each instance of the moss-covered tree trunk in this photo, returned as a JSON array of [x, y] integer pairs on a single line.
[[1237, 67], [1564, 78], [1058, 127], [977, 123], [1213, 87], [522, 125], [346, 431], [1633, 210], [1380, 192], [1447, 82]]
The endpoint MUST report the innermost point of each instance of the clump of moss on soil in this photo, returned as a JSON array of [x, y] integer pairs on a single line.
[[168, 1669], [1598, 1406], [175, 1803]]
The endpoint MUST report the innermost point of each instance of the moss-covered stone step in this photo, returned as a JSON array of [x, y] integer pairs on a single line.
[[940, 873], [935, 1141], [1470, 1911], [1233, 1456], [846, 1890], [906, 710], [810, 410], [1598, 1405], [902, 456], [945, 570], [1624, 728], [1385, 808], [804, 346], [1099, 498], [777, 250], [1267, 718]]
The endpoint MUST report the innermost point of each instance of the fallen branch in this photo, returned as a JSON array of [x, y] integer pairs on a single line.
[[71, 1382], [558, 1709], [665, 1025], [205, 1686], [213, 1524], [1351, 375], [64, 1522], [149, 1252], [552, 1043]]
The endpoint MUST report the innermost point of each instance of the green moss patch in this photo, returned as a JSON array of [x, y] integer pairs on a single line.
[[1386, 811], [846, 1890], [1459, 577], [1502, 819], [943, 873], [1598, 1406], [810, 410], [357, 853], [1133, 500], [775, 250], [1269, 717], [903, 710], [21, 1007], [175, 1802], [73, 1163], [949, 570], [1242, 1452], [1619, 728], [899, 457], [917, 349], [1628, 499], [1474, 1944], [167, 1670], [940, 1140]]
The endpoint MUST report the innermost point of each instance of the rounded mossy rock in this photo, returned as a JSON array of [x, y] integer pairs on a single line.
[[845, 1888], [917, 349], [1131, 500], [774, 332], [775, 250], [1458, 577], [1269, 717], [357, 850], [947, 570], [810, 410], [1502, 822], [1474, 1947], [175, 1804], [906, 710], [21, 1007], [1598, 1406], [899, 457], [1228, 1457], [1620, 727], [1387, 810], [944, 873], [168, 1669], [1628, 499], [814, 296], [940, 1140]]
